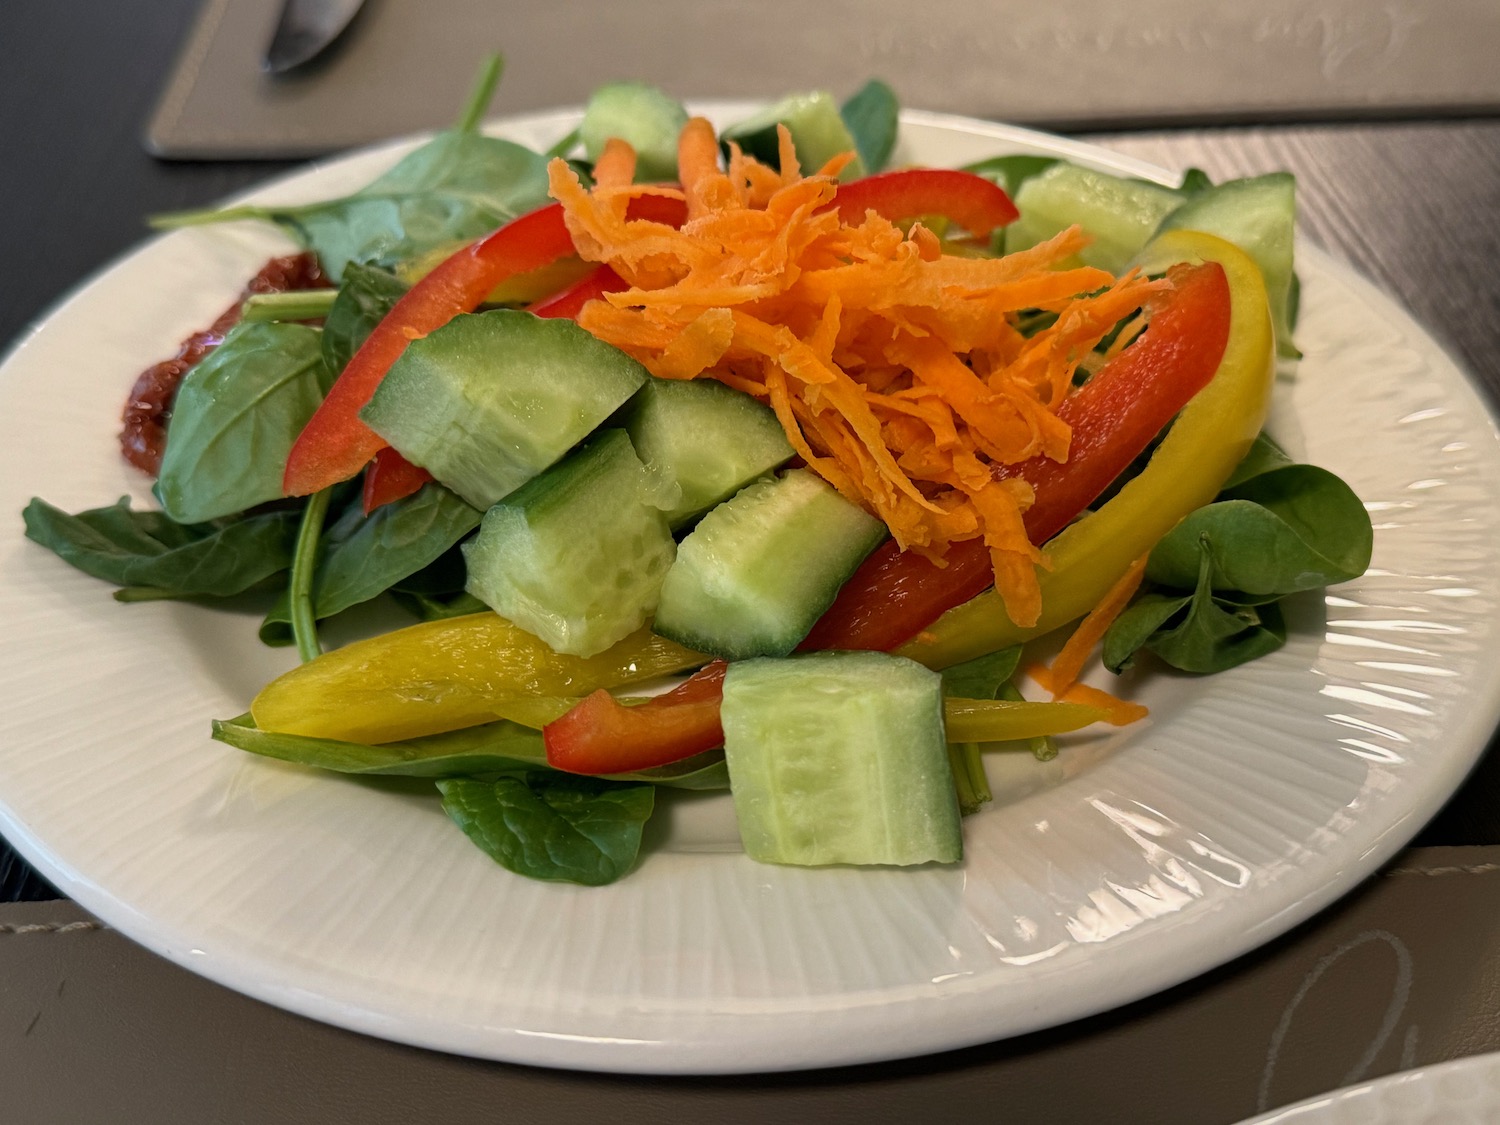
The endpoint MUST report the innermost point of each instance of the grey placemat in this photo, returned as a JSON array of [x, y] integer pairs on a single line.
[[1400, 974], [405, 65]]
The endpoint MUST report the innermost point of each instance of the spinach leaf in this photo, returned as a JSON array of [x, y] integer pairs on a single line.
[[982, 677], [1297, 527], [365, 297], [1195, 180], [553, 826], [156, 556], [1196, 633], [437, 607], [488, 750], [1277, 528], [494, 748], [457, 186], [363, 556], [235, 418], [870, 115]]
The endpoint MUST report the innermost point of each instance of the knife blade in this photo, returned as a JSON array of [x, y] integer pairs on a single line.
[[305, 30]]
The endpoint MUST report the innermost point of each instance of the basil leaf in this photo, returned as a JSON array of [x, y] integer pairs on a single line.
[[553, 826], [235, 418], [148, 550], [363, 300], [458, 186], [363, 556], [871, 118]]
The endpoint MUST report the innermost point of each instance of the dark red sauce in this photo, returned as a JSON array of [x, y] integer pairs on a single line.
[[149, 407]]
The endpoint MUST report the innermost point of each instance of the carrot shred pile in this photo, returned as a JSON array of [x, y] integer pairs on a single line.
[[896, 369]]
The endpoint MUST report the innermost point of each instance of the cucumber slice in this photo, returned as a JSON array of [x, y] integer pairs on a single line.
[[711, 439], [491, 399], [761, 568], [642, 115], [839, 757], [1120, 214], [817, 128], [1258, 215], [577, 555]]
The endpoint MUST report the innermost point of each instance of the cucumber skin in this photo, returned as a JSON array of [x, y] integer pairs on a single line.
[[479, 403], [712, 439], [840, 757], [645, 117], [759, 570], [576, 556], [1121, 214]]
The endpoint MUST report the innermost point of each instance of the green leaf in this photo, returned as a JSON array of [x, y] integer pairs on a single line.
[[553, 826], [982, 677], [494, 748], [482, 751], [1130, 631], [871, 118], [147, 550], [437, 607], [1297, 527], [457, 186], [363, 556], [1010, 172], [366, 296], [1195, 180], [235, 418]]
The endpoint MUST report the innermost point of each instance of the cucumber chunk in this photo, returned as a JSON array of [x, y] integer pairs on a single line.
[[818, 133], [711, 439], [839, 757], [1120, 214], [761, 568], [577, 555], [643, 116], [1258, 215], [490, 399]]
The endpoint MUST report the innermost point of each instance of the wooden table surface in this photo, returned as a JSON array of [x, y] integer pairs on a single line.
[[1415, 205]]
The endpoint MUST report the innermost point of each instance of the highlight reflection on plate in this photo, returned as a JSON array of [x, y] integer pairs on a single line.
[[1136, 860]]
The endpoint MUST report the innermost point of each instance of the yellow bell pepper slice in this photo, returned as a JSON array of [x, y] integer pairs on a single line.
[[444, 675], [1207, 441]]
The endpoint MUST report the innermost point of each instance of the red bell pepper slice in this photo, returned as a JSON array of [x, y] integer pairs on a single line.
[[895, 594], [335, 444], [601, 735], [973, 202], [391, 477], [568, 303]]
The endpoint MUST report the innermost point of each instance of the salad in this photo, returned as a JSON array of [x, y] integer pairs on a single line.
[[835, 440]]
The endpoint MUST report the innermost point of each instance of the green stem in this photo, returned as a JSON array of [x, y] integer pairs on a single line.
[[304, 566], [171, 220], [301, 304], [566, 145], [1043, 747], [484, 89], [968, 776]]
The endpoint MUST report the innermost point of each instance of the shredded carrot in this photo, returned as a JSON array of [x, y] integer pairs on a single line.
[[898, 370], [1068, 664], [1119, 712]]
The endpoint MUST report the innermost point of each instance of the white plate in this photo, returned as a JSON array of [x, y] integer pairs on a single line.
[[1135, 861], [1461, 1092]]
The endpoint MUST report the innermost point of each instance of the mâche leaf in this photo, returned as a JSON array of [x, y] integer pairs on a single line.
[[235, 418], [553, 826], [146, 551]]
